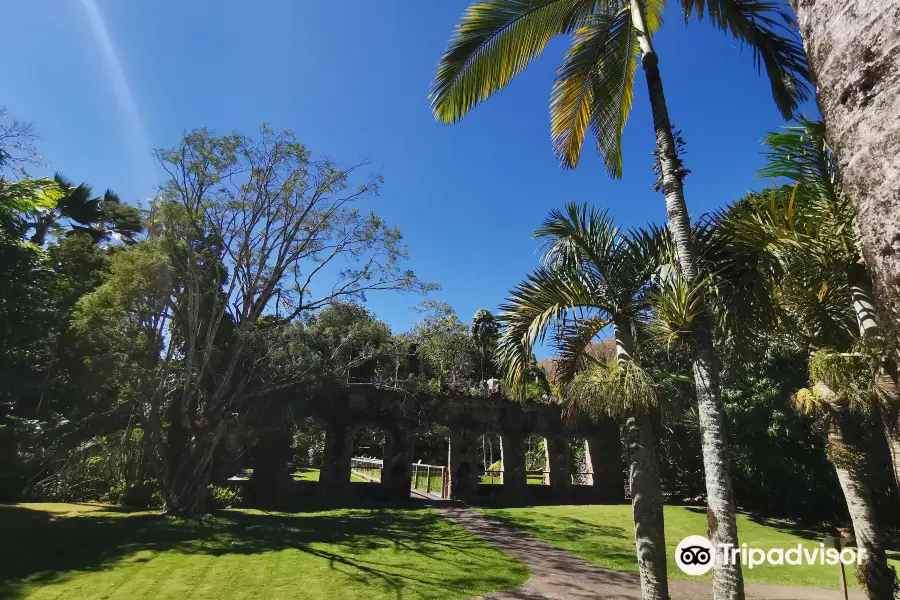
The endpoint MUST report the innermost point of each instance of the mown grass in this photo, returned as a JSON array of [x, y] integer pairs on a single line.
[[604, 535], [312, 474], [79, 551]]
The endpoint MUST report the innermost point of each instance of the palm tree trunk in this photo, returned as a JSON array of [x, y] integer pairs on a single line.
[[850, 464], [645, 485], [886, 383], [886, 377], [647, 507], [854, 55], [728, 581]]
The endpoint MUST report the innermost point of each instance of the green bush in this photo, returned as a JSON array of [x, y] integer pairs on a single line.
[[224, 497], [133, 494]]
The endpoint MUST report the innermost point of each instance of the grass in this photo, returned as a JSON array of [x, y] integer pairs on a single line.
[[312, 474], [62, 551], [533, 479], [604, 535], [420, 481]]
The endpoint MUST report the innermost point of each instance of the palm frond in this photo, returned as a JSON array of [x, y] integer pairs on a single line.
[[594, 89], [579, 237], [769, 28], [615, 390], [676, 305], [573, 338], [543, 300], [495, 41]]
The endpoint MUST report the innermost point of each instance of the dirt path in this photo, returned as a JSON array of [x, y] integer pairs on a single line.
[[560, 575]]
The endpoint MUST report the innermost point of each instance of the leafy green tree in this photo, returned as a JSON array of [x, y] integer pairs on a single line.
[[350, 341], [448, 352], [594, 277], [593, 90], [240, 241]]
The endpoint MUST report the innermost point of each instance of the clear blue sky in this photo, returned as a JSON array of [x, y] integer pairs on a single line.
[[352, 77]]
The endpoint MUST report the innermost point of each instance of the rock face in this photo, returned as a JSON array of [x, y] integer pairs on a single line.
[[853, 48]]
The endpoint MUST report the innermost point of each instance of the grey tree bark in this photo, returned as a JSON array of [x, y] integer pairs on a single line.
[[728, 581], [886, 376], [647, 507], [645, 485], [850, 465], [853, 48]]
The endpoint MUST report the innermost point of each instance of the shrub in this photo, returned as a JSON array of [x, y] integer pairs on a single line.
[[224, 497]]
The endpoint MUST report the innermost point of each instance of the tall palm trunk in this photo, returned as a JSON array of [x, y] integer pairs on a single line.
[[728, 581], [850, 463], [853, 48], [647, 506], [646, 489], [886, 382]]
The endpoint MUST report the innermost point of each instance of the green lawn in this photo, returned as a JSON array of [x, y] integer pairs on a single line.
[[312, 474], [420, 481], [605, 535], [62, 551], [533, 479]]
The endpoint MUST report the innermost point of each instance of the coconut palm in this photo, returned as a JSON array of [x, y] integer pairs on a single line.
[[594, 277], [853, 54], [824, 294], [593, 90]]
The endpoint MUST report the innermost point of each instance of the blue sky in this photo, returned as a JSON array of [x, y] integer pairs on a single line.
[[106, 81]]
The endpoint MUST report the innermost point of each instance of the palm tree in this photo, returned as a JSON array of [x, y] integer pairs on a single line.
[[824, 295], [836, 396], [498, 39], [100, 218], [594, 277], [484, 332], [853, 55], [811, 231]]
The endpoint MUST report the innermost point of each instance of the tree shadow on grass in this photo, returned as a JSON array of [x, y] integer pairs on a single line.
[[572, 533], [39, 547]]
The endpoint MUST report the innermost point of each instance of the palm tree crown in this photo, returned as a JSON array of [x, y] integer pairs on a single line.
[[497, 39]]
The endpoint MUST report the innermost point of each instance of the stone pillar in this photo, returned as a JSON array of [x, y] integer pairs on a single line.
[[546, 477], [588, 478], [502, 468], [396, 474], [606, 461], [515, 480], [334, 478], [558, 456], [463, 465]]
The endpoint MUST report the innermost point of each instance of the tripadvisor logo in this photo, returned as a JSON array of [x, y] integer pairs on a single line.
[[696, 555]]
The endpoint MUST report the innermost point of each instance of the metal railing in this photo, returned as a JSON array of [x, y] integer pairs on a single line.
[[367, 469], [430, 479]]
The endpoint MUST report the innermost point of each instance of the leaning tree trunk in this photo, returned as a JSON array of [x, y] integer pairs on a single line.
[[728, 581], [186, 492], [646, 489], [647, 506], [850, 463], [853, 47]]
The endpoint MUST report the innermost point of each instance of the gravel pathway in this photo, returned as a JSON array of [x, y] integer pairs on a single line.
[[559, 575]]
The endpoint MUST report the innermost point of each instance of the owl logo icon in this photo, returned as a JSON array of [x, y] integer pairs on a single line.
[[694, 555]]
